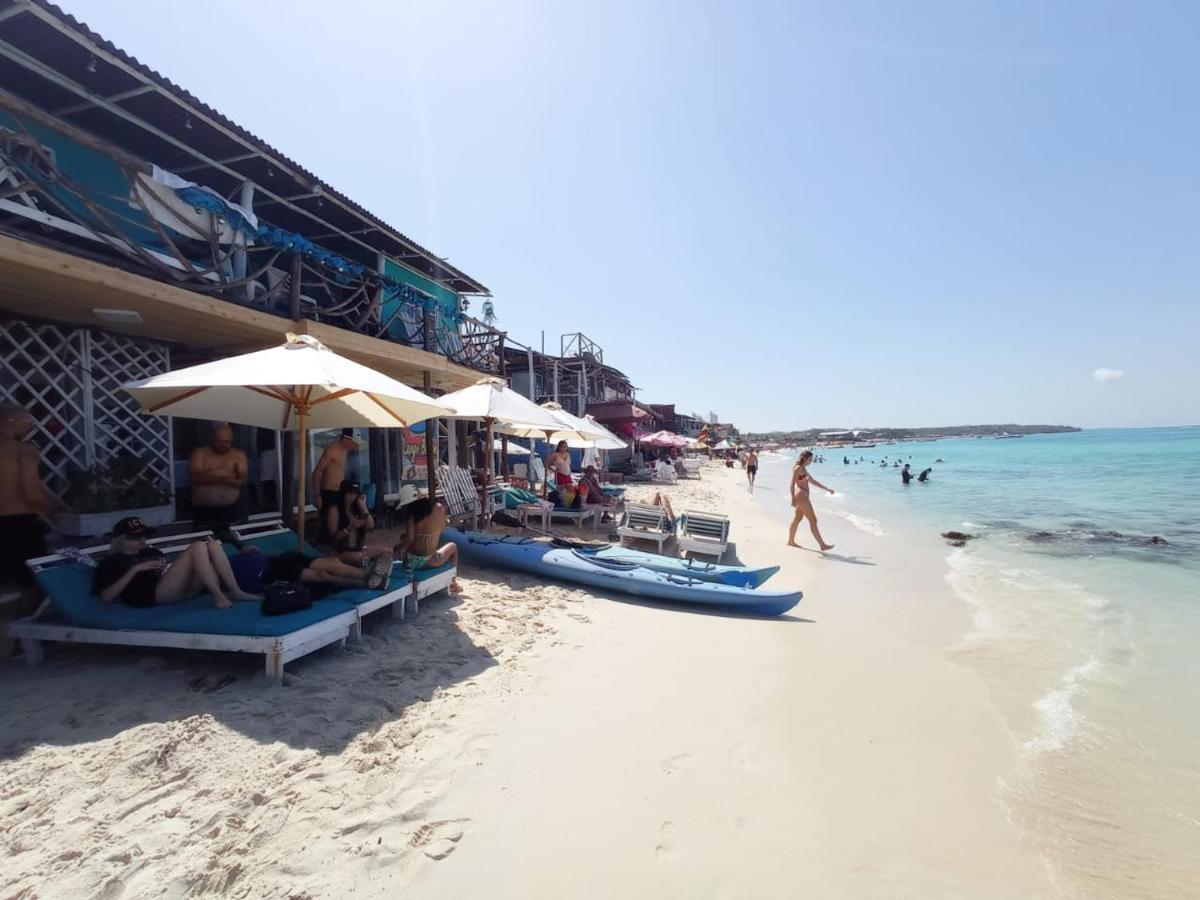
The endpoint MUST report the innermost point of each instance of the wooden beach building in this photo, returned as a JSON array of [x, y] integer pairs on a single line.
[[142, 230]]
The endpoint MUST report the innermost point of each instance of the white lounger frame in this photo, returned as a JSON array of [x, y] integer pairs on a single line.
[[644, 523], [700, 532], [278, 650], [580, 516]]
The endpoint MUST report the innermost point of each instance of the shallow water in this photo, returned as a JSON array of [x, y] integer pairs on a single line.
[[1083, 629]]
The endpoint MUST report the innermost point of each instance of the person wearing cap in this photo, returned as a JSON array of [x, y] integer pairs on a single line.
[[347, 520], [24, 499], [217, 473], [140, 575], [330, 471]]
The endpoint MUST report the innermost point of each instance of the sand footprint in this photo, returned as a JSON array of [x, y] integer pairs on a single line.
[[676, 763], [438, 839], [663, 847]]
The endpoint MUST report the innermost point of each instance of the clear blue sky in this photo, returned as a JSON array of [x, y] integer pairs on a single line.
[[793, 214]]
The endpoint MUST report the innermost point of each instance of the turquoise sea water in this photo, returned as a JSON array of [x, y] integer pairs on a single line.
[[1085, 631]]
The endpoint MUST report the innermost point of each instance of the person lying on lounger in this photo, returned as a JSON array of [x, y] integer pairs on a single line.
[[142, 576], [422, 527], [255, 570]]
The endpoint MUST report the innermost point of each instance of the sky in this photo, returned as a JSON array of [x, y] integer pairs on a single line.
[[790, 214]]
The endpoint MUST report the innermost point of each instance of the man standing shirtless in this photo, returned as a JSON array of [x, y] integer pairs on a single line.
[[330, 471], [218, 472], [24, 500]]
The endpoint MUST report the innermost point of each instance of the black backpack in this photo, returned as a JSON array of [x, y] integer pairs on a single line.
[[282, 597]]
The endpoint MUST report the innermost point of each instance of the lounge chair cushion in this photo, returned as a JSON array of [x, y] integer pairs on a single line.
[[274, 544], [69, 589]]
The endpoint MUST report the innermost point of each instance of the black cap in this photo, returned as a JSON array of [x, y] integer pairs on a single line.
[[348, 432], [133, 527]]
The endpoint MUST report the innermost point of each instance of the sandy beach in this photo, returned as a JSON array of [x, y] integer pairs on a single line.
[[531, 739]]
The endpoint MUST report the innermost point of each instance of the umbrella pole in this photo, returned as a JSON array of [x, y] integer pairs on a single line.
[[487, 471], [546, 470], [302, 473]]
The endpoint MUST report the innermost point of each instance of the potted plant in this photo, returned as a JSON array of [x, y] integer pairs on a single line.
[[101, 495]]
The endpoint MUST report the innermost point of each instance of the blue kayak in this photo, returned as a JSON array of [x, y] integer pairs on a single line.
[[738, 576], [627, 576]]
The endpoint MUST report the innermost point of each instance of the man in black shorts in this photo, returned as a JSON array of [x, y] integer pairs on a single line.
[[24, 500], [751, 467]]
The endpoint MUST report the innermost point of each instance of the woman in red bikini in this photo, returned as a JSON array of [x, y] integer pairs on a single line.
[[803, 503]]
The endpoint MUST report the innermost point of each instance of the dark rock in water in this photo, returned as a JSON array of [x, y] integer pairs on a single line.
[[958, 543], [1041, 536], [1157, 540], [957, 538]]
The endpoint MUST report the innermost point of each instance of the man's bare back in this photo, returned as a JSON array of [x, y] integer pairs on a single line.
[[330, 470]]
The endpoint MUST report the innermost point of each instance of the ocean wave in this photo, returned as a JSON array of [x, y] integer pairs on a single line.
[[1060, 719], [862, 523]]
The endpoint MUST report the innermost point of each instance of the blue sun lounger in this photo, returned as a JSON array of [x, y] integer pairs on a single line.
[[72, 613]]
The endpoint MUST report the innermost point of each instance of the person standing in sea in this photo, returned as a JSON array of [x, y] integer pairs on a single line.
[[802, 503]]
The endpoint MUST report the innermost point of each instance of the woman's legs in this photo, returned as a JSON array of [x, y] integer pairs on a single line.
[[343, 572], [191, 570], [447, 553], [220, 564], [795, 524], [806, 504]]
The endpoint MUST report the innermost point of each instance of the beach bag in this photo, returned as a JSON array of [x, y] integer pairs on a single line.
[[284, 597]]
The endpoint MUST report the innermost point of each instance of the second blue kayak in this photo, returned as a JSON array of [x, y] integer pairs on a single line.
[[625, 576]]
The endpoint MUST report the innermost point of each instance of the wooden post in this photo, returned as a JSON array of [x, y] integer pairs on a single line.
[[431, 426], [485, 511], [302, 452], [294, 288]]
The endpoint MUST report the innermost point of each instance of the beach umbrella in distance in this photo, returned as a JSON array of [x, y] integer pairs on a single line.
[[491, 400], [664, 439], [297, 386]]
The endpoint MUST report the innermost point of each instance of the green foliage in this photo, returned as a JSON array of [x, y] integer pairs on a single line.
[[126, 481]]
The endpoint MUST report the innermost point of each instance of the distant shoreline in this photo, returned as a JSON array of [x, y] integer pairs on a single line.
[[852, 435]]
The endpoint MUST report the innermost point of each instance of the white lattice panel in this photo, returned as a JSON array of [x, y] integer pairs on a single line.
[[42, 369], [118, 424], [71, 380]]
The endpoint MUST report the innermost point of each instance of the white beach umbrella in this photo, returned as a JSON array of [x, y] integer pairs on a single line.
[[490, 400], [608, 441], [514, 449], [299, 385]]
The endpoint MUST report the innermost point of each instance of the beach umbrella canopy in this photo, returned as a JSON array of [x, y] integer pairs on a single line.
[[491, 398], [268, 389], [608, 442], [568, 427], [664, 439], [514, 449], [296, 386], [723, 445]]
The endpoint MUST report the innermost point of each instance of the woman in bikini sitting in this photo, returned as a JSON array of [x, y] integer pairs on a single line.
[[803, 503], [423, 526]]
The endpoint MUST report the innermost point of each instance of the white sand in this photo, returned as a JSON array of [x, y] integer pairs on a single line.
[[537, 741]]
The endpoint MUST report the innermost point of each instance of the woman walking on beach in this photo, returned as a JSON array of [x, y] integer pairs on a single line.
[[803, 503]]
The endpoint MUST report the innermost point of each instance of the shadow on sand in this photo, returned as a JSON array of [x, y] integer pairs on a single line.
[[86, 693], [839, 557]]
